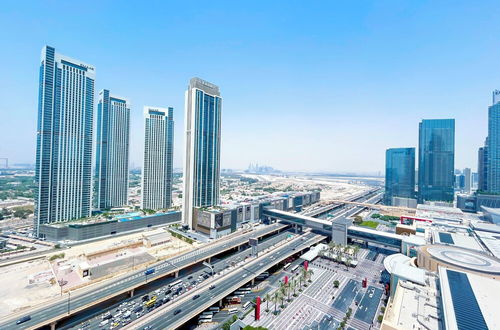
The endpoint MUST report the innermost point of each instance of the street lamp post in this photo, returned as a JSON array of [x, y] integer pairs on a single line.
[[69, 299]]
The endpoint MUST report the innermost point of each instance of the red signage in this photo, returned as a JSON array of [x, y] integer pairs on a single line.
[[257, 308], [286, 280], [306, 264]]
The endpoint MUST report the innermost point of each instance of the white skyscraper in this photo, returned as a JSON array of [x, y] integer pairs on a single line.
[[158, 157], [112, 151], [202, 147], [64, 139]]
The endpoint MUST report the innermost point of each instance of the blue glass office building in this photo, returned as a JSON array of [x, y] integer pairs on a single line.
[[436, 160], [157, 170], [112, 151], [64, 139], [399, 174], [493, 175], [202, 152]]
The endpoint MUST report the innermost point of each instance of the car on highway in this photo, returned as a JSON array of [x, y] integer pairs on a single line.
[[23, 319], [196, 296], [211, 287], [177, 311]]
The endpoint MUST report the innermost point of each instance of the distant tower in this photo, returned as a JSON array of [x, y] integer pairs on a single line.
[[467, 180], [112, 151], [202, 150], [64, 139], [493, 159], [436, 159], [482, 167], [399, 174], [158, 157]]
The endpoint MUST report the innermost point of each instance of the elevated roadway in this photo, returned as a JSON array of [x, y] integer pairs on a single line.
[[52, 311], [166, 318]]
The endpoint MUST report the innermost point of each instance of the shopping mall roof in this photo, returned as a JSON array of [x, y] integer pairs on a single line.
[[461, 240], [464, 259], [486, 226], [401, 266], [491, 241], [469, 300]]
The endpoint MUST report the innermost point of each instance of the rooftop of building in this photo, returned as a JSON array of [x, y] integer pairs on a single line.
[[469, 300], [463, 259], [458, 238], [414, 306], [491, 241], [486, 226]]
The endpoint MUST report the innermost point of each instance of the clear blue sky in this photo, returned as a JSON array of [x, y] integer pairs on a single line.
[[307, 85]]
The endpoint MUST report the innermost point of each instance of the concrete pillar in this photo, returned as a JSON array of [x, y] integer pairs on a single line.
[[220, 303], [209, 259], [253, 281], [131, 292], [53, 326], [176, 274]]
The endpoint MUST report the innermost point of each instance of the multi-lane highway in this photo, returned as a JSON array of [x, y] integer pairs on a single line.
[[218, 266], [175, 315], [68, 304]]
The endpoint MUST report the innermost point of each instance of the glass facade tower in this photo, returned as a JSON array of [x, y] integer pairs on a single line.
[[202, 150], [112, 151], [436, 160], [157, 170], [63, 173], [482, 167], [493, 180], [399, 174]]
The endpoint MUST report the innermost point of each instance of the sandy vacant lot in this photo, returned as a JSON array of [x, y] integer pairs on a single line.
[[16, 292]]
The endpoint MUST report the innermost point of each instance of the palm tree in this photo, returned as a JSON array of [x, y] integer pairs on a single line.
[[309, 273], [282, 295], [291, 287], [267, 297], [348, 262], [276, 298]]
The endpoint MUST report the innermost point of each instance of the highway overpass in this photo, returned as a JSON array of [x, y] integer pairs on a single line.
[[164, 317], [71, 303], [327, 227]]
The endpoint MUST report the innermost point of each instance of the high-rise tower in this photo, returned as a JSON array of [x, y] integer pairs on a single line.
[[399, 174], [112, 151], [436, 160], [64, 139], [493, 180], [158, 157], [202, 147]]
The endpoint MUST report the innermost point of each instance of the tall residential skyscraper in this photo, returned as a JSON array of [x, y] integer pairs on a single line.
[[112, 151], [399, 173], [436, 160], [494, 144], [158, 158], [202, 150], [64, 139], [482, 167]]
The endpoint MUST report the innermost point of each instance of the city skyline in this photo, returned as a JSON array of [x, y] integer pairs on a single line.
[[382, 121]]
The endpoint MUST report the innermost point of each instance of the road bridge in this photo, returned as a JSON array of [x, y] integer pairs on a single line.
[[52, 311], [165, 317]]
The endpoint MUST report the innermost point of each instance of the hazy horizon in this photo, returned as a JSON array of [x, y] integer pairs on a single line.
[[313, 87]]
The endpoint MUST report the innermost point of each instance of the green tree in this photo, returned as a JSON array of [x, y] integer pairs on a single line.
[[336, 283]]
